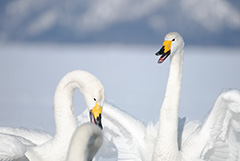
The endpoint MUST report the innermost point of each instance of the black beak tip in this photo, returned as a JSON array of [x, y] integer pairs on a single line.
[[157, 54], [97, 121], [160, 52], [100, 125]]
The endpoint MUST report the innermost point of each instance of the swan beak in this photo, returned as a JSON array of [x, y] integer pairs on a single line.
[[165, 51], [95, 115]]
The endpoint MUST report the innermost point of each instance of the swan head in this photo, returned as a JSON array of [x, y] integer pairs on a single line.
[[93, 92], [91, 89], [96, 115], [173, 41], [94, 97]]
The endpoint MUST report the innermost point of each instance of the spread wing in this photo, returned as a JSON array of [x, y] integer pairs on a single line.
[[14, 142], [11, 147], [125, 137], [219, 137]]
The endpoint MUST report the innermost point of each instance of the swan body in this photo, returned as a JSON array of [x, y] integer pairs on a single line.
[[55, 148], [85, 143]]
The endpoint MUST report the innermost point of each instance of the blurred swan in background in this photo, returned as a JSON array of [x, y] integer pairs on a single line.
[[85, 143], [36, 146]]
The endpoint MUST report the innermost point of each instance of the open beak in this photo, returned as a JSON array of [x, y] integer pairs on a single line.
[[165, 51], [95, 115]]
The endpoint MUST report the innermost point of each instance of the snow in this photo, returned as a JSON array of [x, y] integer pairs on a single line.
[[131, 76]]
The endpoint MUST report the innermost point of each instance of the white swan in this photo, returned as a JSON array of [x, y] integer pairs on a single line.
[[85, 143], [217, 139], [56, 148]]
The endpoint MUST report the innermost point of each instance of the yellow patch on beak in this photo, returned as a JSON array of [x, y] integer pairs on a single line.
[[96, 110], [167, 45]]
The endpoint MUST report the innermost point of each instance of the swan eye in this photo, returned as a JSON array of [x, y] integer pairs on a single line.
[[173, 39], [94, 99]]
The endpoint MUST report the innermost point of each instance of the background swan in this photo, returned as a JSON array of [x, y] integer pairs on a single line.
[[217, 138], [85, 143], [56, 148]]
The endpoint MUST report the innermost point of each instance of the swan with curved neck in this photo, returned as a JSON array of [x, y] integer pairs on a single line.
[[65, 118], [85, 143]]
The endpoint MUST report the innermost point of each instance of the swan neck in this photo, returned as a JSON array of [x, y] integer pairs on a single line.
[[65, 118], [168, 122]]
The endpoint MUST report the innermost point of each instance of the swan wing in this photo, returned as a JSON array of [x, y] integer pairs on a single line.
[[37, 137], [124, 136], [13, 147], [14, 142], [186, 129], [218, 138]]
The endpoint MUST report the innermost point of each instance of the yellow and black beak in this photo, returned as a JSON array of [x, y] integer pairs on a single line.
[[96, 115], [165, 51]]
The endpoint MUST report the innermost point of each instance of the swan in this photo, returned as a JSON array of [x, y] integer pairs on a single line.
[[173, 138], [55, 148], [85, 143], [216, 139]]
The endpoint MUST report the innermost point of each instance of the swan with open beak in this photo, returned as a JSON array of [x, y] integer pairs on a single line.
[[165, 51]]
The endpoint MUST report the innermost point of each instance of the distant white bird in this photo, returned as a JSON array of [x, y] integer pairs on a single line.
[[174, 139], [85, 143], [22, 143]]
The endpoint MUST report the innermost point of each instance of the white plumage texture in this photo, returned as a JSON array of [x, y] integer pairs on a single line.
[[14, 141], [218, 142], [224, 131], [122, 143], [11, 147]]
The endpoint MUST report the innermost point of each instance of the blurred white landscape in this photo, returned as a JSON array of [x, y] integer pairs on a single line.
[[133, 80]]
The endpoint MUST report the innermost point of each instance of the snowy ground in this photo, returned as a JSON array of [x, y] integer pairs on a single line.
[[133, 80]]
